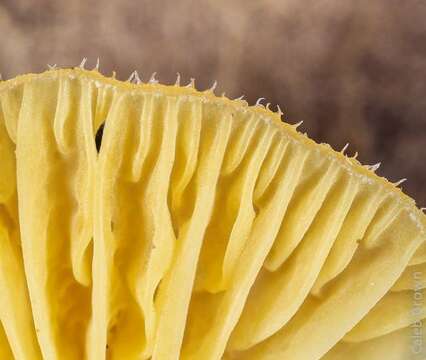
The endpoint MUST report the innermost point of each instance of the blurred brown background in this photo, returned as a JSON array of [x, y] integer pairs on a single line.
[[354, 71]]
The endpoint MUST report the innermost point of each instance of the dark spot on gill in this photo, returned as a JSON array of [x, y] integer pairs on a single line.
[[155, 295], [98, 137]]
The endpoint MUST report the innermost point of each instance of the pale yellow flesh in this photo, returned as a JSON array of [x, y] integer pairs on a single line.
[[203, 229], [412, 278], [394, 311], [404, 344], [5, 351]]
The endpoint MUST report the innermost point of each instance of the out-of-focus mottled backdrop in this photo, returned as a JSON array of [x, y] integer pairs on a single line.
[[354, 71]]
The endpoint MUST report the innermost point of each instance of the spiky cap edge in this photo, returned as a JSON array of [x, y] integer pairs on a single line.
[[365, 172]]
